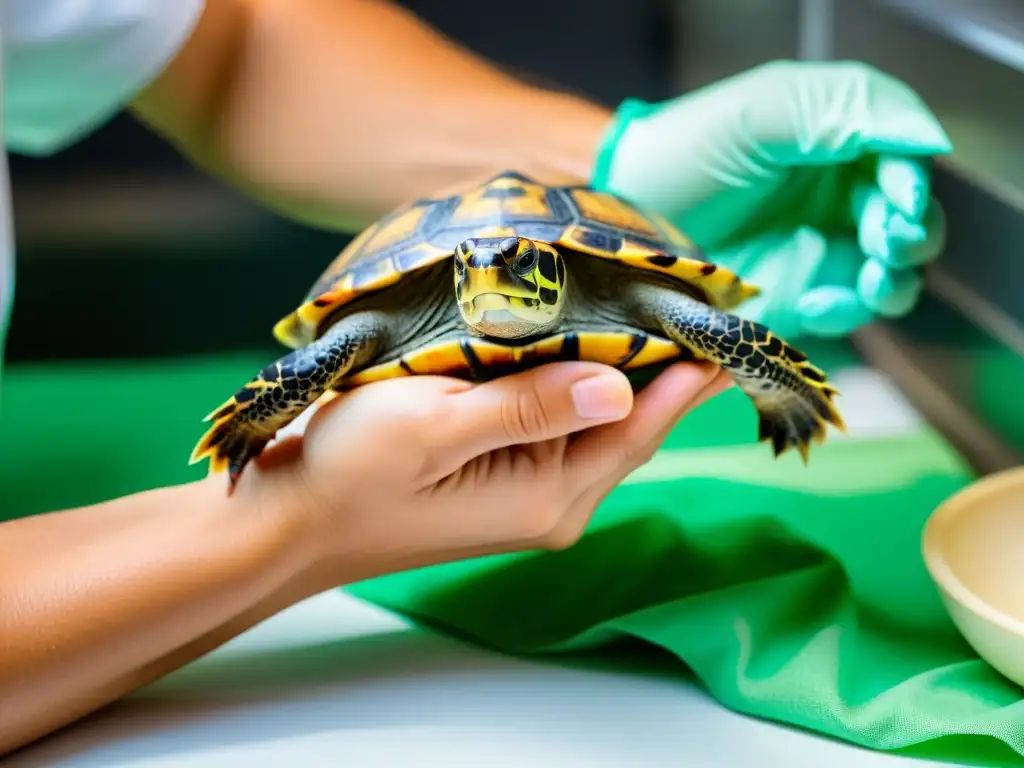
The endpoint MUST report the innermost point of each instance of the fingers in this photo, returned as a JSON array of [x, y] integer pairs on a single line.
[[541, 404], [888, 292], [657, 412], [614, 450], [830, 307], [809, 280], [899, 227], [784, 265], [889, 234], [829, 112], [906, 183], [832, 311]]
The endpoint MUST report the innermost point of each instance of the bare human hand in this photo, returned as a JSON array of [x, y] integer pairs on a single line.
[[395, 475], [422, 470]]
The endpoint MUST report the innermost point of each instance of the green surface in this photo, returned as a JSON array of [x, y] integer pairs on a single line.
[[80, 433], [792, 594]]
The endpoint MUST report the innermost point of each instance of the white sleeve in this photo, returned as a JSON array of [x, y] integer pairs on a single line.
[[70, 65]]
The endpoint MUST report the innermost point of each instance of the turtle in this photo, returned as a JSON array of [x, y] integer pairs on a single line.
[[509, 274]]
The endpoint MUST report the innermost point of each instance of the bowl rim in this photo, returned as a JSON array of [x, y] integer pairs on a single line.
[[941, 572]]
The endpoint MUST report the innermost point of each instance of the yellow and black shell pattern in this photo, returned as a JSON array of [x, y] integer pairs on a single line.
[[577, 218]]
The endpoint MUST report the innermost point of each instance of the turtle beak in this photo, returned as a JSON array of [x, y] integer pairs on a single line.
[[482, 293], [480, 282]]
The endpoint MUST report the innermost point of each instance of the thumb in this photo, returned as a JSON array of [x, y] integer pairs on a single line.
[[550, 401]]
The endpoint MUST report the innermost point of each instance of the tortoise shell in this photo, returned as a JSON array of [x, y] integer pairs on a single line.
[[576, 218]]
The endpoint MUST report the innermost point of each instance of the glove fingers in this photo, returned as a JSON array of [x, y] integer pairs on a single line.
[[818, 286], [852, 286], [892, 117], [863, 110], [809, 283], [843, 260], [906, 183], [831, 306], [886, 234], [832, 311], [888, 292]]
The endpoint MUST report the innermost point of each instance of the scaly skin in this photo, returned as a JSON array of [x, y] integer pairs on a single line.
[[792, 396], [523, 285], [284, 389]]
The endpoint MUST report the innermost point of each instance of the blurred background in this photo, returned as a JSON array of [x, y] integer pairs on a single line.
[[184, 260]]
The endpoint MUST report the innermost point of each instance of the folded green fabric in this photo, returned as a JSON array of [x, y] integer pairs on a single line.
[[792, 594], [795, 595]]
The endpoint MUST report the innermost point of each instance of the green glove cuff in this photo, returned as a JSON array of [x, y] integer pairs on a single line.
[[628, 111]]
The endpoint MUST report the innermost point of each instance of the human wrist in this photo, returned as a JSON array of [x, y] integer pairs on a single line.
[[261, 516], [335, 537], [318, 535]]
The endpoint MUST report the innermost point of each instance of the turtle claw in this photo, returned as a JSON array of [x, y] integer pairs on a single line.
[[787, 419], [276, 396], [237, 453], [231, 443], [793, 397]]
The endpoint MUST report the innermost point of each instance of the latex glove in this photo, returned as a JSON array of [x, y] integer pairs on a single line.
[[812, 180], [422, 470]]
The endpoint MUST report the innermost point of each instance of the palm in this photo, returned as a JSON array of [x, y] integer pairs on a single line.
[[804, 196], [525, 482], [467, 462], [507, 469]]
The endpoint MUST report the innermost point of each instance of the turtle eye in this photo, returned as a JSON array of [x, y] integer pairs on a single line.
[[526, 262], [465, 248]]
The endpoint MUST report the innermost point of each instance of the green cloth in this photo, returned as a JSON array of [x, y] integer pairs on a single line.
[[795, 595]]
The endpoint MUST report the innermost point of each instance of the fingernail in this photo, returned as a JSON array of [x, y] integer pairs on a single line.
[[602, 397]]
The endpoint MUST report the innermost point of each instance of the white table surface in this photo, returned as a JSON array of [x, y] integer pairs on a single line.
[[336, 681]]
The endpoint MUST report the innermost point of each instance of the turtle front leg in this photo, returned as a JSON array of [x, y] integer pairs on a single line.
[[244, 424], [792, 397]]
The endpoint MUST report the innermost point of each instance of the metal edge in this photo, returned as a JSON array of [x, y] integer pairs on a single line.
[[977, 25], [882, 346]]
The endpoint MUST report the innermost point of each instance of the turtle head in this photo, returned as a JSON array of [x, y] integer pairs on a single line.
[[509, 287]]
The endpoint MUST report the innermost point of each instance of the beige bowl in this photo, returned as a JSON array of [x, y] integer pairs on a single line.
[[974, 550]]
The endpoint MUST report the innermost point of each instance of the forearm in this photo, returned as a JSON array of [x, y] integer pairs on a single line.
[[337, 110], [95, 602]]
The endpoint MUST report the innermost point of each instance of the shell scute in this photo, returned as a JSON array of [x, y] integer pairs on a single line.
[[611, 211], [608, 227], [590, 222]]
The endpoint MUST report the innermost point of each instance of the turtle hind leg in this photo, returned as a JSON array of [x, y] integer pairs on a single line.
[[276, 396], [793, 398]]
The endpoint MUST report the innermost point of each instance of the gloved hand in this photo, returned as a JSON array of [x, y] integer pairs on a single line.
[[809, 179]]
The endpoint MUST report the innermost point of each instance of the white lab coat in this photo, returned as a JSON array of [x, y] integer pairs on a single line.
[[67, 67]]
